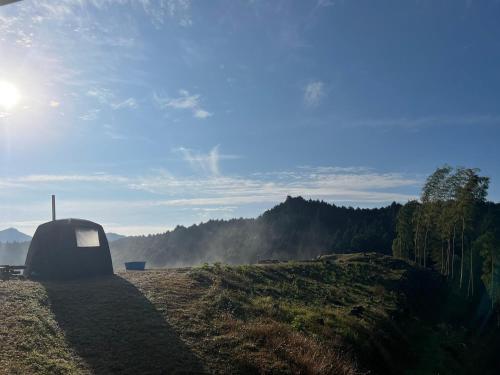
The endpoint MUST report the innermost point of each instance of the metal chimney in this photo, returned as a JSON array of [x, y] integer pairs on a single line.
[[53, 207]]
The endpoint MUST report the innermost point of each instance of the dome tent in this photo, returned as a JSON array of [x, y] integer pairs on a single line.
[[68, 249]]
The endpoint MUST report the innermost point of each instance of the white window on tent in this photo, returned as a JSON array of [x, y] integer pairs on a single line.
[[87, 237]]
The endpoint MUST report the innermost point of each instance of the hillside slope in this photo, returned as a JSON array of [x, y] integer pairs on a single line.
[[343, 315]]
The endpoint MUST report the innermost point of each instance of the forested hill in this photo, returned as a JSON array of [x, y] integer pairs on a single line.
[[294, 229]]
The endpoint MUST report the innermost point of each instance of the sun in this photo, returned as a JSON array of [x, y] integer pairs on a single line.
[[9, 95]]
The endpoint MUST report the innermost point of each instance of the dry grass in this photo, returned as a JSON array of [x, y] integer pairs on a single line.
[[278, 345], [215, 319], [310, 318], [31, 340]]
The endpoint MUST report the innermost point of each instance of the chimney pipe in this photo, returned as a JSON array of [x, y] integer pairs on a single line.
[[53, 207]]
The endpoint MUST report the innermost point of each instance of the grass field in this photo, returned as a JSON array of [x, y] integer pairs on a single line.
[[346, 315]]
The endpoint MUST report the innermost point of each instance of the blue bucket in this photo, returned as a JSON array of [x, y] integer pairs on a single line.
[[135, 266]]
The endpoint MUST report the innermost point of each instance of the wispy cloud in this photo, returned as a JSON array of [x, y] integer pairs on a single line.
[[207, 163], [107, 97], [208, 196], [96, 177], [185, 101], [345, 185], [320, 182], [130, 103], [102, 95], [90, 115], [113, 133], [161, 10], [201, 113], [325, 3], [314, 93], [429, 121], [158, 11]]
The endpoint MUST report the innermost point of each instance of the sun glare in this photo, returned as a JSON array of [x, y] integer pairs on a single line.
[[9, 95]]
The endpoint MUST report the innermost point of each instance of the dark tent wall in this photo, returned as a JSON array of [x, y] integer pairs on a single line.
[[68, 249]]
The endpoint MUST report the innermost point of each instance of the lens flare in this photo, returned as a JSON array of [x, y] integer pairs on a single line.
[[9, 95]]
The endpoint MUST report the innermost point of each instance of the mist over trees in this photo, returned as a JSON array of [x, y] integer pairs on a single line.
[[13, 252], [453, 230], [294, 229]]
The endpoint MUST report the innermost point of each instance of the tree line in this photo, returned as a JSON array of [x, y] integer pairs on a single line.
[[454, 230], [295, 229]]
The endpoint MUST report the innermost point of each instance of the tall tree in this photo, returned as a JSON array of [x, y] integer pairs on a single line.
[[488, 246], [435, 192], [470, 190], [402, 245]]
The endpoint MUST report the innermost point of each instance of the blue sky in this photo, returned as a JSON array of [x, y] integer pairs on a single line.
[[142, 115]]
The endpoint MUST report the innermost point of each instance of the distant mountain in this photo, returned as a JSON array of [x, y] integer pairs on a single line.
[[114, 236], [13, 235], [294, 229]]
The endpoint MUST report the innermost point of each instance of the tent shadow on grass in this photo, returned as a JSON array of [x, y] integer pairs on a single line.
[[114, 328]]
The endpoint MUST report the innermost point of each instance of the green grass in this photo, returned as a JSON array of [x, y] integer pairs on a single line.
[[314, 300], [356, 313]]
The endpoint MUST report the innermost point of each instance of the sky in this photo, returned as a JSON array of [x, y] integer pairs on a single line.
[[143, 115]]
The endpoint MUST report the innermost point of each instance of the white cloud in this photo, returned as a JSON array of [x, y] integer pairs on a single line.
[[108, 98], [114, 133], [127, 103], [90, 115], [207, 163], [325, 3], [44, 178], [313, 93], [158, 11], [429, 121], [356, 185], [103, 95], [161, 10], [345, 185], [185, 101], [201, 113]]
